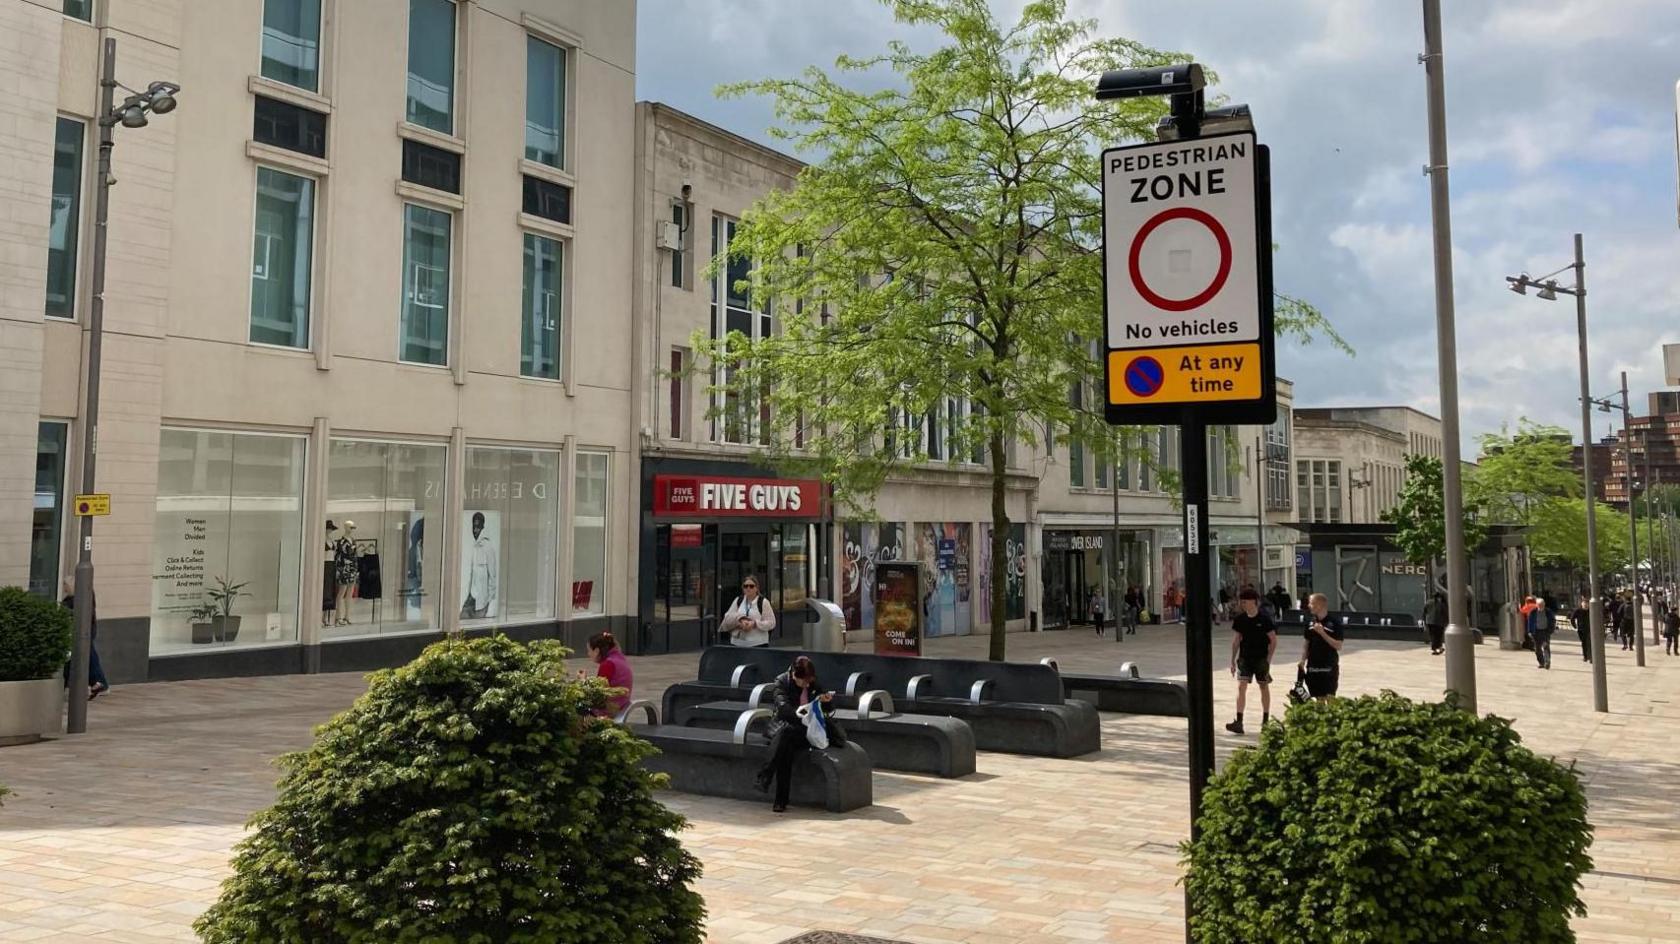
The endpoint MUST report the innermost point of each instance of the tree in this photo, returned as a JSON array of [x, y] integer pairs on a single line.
[[1381, 819], [1420, 517], [1558, 535], [468, 796], [1517, 472], [941, 260]]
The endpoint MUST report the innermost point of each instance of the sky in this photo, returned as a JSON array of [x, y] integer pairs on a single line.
[[1560, 117]]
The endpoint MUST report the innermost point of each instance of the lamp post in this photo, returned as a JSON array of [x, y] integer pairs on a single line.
[[1633, 523], [1549, 289], [158, 98], [1460, 638]]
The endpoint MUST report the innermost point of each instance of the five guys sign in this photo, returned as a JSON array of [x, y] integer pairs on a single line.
[[721, 496]]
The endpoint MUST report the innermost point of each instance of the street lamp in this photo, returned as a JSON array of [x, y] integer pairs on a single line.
[[158, 98], [1605, 404], [1549, 289]]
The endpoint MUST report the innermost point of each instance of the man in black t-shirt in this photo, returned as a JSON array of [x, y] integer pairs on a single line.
[[1321, 651], [1253, 640]]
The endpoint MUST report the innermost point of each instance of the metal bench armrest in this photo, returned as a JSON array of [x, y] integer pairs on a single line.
[[978, 691], [744, 722], [739, 675], [914, 689], [756, 699], [869, 701], [646, 707], [855, 681], [1129, 670]]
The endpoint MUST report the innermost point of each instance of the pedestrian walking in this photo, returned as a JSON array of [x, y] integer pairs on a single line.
[[1134, 609], [1321, 649], [1098, 607], [1671, 632], [1280, 600], [1624, 619], [1435, 622], [97, 684], [1253, 642], [795, 688], [1582, 618], [1541, 624], [749, 619]]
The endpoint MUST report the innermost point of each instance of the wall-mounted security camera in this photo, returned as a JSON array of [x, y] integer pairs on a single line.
[[1181, 79]]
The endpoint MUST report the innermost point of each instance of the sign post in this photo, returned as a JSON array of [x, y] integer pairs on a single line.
[[1187, 307]]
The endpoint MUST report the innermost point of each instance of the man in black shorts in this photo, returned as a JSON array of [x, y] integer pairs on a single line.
[[1253, 640], [1321, 652]]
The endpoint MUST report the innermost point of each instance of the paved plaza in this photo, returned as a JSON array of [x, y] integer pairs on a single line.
[[123, 834]]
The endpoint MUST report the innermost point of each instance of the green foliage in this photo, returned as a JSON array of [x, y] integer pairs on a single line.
[[1519, 471], [34, 636], [4, 793], [1558, 534], [1420, 516], [222, 595], [468, 797], [1380, 819]]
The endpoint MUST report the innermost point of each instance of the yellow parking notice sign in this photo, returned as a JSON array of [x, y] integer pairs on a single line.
[[87, 506], [1203, 373]]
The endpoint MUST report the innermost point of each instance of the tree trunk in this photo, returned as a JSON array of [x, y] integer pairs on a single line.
[[1000, 548]]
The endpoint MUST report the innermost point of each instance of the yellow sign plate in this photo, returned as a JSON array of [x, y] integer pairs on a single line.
[[1206, 373], [91, 505]]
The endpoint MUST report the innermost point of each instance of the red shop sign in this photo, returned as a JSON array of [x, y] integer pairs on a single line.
[[685, 535], [721, 496]]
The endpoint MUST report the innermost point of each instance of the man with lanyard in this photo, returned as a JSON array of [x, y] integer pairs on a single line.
[[1321, 650], [1253, 641]]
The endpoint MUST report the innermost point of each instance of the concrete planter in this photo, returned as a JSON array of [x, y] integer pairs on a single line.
[[31, 710]]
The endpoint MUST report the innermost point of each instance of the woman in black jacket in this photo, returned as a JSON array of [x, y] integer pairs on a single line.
[[795, 687]]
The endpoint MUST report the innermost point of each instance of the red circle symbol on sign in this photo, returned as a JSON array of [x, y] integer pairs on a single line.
[[1194, 301], [83, 507]]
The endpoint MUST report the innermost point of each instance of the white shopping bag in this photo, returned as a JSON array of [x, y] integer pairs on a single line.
[[816, 726]]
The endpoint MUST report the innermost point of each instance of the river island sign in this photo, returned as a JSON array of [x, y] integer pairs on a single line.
[[1187, 297]]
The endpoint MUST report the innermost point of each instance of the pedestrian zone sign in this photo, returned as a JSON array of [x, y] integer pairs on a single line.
[[1187, 295]]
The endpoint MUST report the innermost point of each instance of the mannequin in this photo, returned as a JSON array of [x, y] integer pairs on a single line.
[[329, 575], [347, 573]]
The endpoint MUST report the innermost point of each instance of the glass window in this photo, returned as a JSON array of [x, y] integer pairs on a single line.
[[589, 534], [510, 526], [425, 313], [378, 573], [547, 199], [545, 102], [539, 343], [80, 9], [1076, 464], [679, 255], [289, 126], [280, 258], [431, 167], [63, 235], [678, 402], [229, 512], [291, 42], [431, 64], [1100, 468], [46, 532], [732, 311]]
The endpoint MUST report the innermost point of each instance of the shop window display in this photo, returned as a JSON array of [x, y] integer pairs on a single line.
[[380, 574], [589, 534], [509, 534], [227, 551]]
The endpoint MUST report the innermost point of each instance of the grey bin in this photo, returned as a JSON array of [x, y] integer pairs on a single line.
[[825, 626]]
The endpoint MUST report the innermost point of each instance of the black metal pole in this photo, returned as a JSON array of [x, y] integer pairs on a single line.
[[81, 646], [1198, 612]]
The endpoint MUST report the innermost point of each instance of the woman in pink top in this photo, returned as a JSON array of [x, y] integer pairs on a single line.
[[611, 665]]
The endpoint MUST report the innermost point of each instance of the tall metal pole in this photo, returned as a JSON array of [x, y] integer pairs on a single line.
[[1633, 527], [1460, 639], [1260, 514], [1198, 610], [81, 645], [1595, 605], [1114, 596], [1651, 549]]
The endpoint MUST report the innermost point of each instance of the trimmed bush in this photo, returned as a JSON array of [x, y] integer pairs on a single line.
[[467, 797], [1380, 819], [34, 636]]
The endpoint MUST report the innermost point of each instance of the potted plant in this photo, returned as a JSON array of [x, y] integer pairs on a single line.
[[34, 646], [224, 626], [200, 619]]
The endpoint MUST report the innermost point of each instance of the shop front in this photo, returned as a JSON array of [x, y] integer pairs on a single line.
[[1076, 564], [706, 527]]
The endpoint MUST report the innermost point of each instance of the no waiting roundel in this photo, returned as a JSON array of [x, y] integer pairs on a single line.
[[1180, 243]]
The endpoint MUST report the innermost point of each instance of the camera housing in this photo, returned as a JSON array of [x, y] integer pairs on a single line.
[[1181, 79]]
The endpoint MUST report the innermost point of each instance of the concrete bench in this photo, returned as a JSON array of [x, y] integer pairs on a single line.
[[924, 744], [1011, 707], [1128, 692], [723, 762]]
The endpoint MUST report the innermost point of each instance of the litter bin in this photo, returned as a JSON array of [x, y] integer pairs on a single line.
[[825, 626]]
